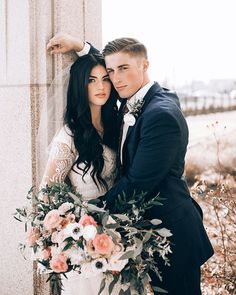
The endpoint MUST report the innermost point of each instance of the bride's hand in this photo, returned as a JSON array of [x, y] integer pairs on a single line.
[[63, 43]]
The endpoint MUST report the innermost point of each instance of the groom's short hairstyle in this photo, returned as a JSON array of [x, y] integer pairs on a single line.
[[126, 45]]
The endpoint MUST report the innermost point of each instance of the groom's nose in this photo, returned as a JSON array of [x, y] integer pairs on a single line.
[[116, 77]]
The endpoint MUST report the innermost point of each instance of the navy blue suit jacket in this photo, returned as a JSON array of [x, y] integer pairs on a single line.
[[153, 162]]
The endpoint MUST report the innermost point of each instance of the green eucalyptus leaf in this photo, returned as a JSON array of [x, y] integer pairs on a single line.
[[158, 289], [102, 286], [113, 234], [112, 225], [156, 221], [105, 218], [127, 255], [67, 247], [164, 232], [93, 208], [75, 198], [112, 284], [17, 218], [147, 236], [122, 217]]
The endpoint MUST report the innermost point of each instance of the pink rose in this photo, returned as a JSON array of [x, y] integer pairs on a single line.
[[103, 244], [46, 253], [58, 264], [87, 220], [91, 250], [33, 236], [52, 219]]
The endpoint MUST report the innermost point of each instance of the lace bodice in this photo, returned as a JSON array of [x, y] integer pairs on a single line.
[[61, 158]]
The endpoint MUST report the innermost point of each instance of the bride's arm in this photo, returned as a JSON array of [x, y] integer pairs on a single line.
[[61, 159]]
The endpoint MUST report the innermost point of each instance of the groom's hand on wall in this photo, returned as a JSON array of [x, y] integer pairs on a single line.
[[63, 43]]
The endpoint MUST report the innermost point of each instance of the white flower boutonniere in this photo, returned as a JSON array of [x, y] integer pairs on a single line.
[[129, 119], [134, 111]]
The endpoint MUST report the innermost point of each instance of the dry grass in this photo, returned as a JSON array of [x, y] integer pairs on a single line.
[[211, 174]]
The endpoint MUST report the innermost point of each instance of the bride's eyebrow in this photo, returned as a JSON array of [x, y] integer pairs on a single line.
[[90, 76]]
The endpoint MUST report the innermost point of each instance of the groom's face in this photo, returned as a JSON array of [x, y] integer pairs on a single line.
[[126, 72]]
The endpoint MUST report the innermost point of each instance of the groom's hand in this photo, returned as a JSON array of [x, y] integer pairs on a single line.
[[63, 43]]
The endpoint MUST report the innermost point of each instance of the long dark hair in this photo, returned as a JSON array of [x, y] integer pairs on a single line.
[[88, 142]]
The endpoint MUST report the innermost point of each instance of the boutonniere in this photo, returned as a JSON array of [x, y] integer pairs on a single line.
[[134, 111]]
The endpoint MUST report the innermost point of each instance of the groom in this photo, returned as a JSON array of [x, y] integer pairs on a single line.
[[152, 151]]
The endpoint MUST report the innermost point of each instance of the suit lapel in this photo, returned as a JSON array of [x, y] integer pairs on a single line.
[[147, 98]]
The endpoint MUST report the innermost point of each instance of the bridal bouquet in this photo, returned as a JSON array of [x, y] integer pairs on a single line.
[[66, 233]]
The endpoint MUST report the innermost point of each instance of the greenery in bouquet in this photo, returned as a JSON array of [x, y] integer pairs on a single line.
[[67, 233]]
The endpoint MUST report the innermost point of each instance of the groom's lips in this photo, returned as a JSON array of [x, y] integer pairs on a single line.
[[120, 87]]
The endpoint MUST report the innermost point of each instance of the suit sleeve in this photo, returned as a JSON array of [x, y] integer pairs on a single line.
[[156, 152], [88, 49], [93, 49]]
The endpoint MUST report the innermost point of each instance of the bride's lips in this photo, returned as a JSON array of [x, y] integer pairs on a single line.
[[101, 95]]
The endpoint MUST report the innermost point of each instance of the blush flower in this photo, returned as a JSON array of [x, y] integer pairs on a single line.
[[65, 207], [47, 253], [58, 264], [33, 236], [52, 219], [87, 220], [103, 244], [90, 250]]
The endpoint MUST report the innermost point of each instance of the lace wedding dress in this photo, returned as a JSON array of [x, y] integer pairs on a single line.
[[61, 158]]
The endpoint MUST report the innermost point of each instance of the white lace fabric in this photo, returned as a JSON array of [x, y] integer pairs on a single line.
[[61, 158]]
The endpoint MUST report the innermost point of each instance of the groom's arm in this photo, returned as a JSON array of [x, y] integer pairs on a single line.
[[63, 43], [159, 144]]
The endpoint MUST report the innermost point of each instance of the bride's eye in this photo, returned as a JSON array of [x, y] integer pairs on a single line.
[[91, 80], [107, 79]]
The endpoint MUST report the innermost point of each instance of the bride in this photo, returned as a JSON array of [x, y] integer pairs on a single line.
[[84, 150]]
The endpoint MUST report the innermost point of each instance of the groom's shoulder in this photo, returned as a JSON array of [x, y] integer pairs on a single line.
[[164, 100], [163, 105]]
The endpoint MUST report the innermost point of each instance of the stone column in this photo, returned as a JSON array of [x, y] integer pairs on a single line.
[[26, 71]]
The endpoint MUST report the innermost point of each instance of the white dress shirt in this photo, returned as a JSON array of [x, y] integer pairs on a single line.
[[137, 97]]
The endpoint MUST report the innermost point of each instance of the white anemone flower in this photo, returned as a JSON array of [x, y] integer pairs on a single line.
[[99, 265], [74, 230]]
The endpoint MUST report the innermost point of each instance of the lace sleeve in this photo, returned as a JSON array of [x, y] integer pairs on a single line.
[[61, 159]]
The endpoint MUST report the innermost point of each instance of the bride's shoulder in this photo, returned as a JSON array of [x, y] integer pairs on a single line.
[[64, 135]]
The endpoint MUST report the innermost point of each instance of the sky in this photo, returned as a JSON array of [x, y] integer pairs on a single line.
[[186, 39]]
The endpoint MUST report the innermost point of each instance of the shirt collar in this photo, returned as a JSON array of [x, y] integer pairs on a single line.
[[139, 95]]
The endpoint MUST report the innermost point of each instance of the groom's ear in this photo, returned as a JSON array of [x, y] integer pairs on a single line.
[[145, 64]]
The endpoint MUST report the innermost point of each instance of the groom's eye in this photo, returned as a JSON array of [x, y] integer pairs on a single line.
[[107, 79]]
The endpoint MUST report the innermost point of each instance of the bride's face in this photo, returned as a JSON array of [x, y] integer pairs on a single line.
[[99, 86]]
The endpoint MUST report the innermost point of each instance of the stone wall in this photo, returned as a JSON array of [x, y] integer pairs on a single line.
[[26, 71]]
